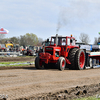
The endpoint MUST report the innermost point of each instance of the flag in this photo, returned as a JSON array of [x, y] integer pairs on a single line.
[[3, 31]]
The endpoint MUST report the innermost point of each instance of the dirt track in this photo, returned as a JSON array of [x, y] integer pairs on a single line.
[[25, 83]]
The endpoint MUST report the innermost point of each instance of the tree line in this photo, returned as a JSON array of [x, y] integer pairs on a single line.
[[32, 39], [23, 40]]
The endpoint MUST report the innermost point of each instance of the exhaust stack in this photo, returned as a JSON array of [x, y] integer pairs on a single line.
[[56, 39]]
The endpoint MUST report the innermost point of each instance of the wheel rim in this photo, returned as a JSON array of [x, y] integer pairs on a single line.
[[82, 59], [63, 63]]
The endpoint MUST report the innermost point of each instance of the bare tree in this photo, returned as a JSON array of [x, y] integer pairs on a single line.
[[84, 38], [40, 40], [98, 39], [95, 41]]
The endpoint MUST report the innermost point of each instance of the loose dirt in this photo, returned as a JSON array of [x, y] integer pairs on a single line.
[[5, 59], [51, 84]]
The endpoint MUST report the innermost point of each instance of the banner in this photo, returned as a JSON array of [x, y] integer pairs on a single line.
[[3, 31]]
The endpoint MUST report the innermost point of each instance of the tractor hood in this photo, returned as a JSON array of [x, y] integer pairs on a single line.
[[51, 53], [52, 48], [54, 51]]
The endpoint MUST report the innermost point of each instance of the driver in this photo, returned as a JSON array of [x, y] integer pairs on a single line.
[[64, 42]]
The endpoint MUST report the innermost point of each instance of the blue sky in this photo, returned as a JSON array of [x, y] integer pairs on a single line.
[[44, 17]]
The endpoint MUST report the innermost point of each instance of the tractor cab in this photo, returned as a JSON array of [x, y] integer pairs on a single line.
[[63, 43]]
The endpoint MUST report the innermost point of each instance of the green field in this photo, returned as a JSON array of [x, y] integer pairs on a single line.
[[89, 98]]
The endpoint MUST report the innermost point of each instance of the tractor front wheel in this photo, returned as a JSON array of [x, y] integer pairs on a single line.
[[61, 63], [38, 63]]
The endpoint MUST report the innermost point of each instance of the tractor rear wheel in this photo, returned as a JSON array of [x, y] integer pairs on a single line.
[[80, 59], [38, 63], [61, 63], [71, 58]]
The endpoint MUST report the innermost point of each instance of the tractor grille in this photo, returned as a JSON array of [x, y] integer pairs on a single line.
[[51, 52]]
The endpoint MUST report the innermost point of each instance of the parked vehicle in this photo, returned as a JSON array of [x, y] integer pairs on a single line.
[[31, 51], [2, 48]]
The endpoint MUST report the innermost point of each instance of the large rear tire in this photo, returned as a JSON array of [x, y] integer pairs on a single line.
[[80, 60], [61, 63], [71, 58], [38, 63]]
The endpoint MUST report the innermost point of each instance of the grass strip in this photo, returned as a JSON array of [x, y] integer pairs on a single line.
[[89, 98], [7, 64]]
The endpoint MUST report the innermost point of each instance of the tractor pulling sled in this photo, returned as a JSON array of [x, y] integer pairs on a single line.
[[63, 53]]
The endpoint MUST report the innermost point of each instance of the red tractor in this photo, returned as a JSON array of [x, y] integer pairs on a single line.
[[63, 52]]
